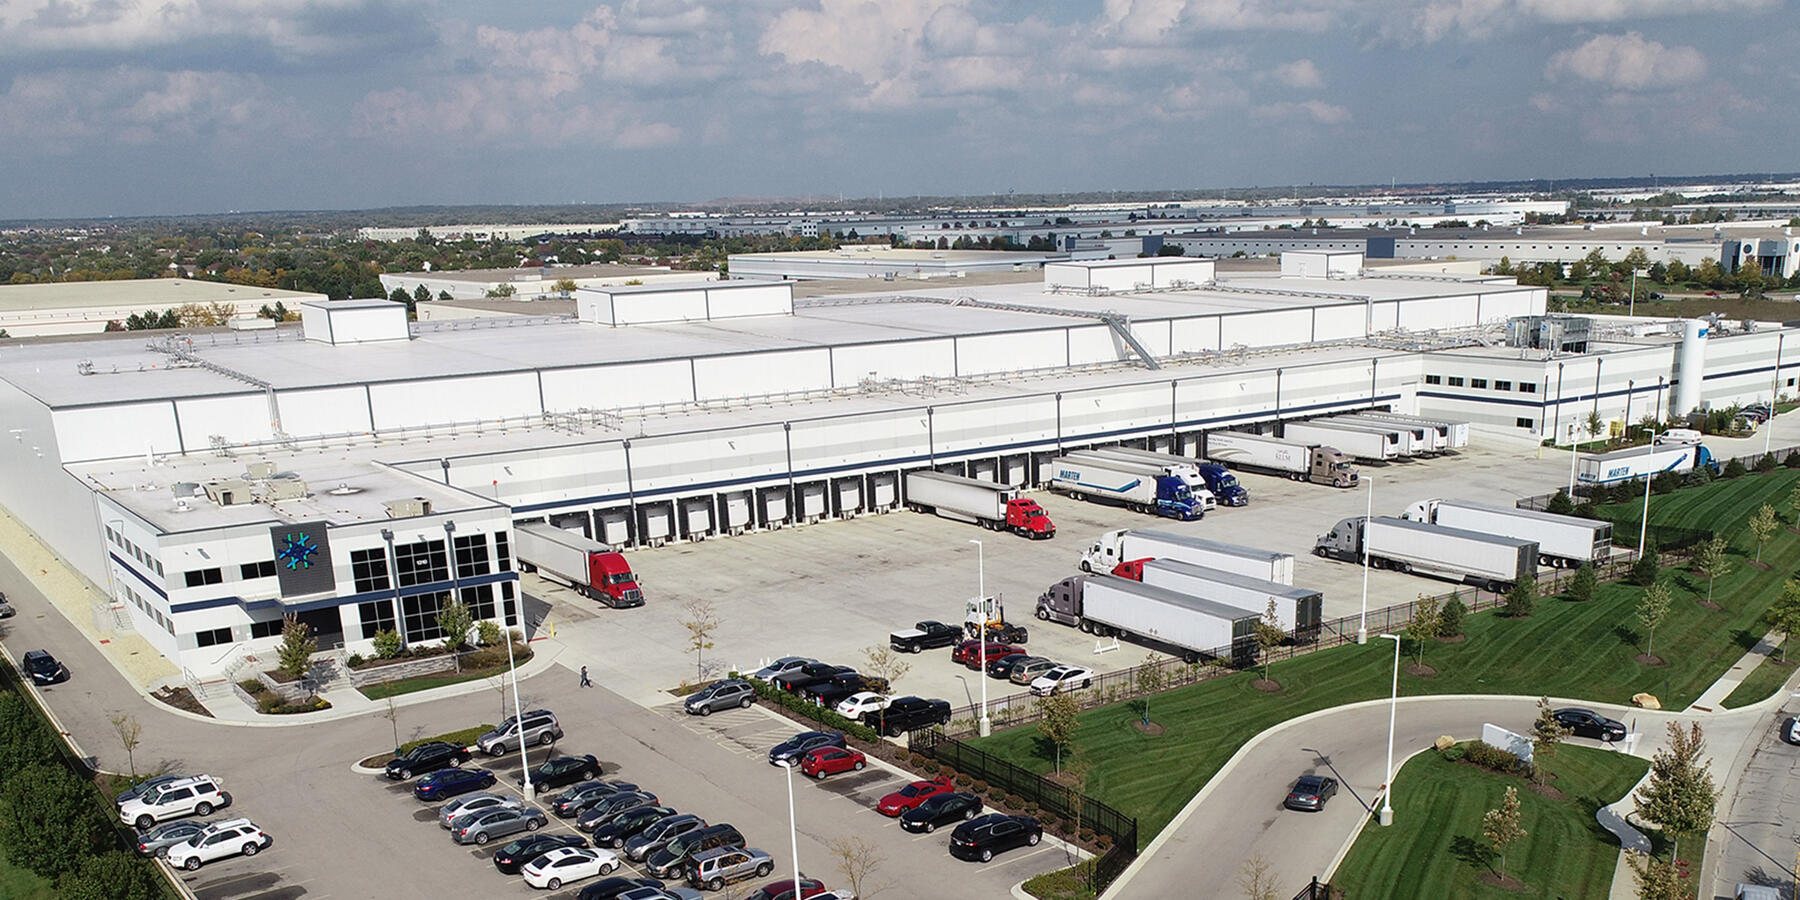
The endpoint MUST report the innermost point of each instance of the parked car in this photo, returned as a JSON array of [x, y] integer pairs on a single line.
[[143, 786], [602, 812], [1589, 724], [784, 890], [908, 714], [1062, 678], [728, 694], [468, 804], [218, 841], [513, 857], [940, 809], [822, 761], [195, 796], [1028, 669], [981, 838], [654, 837], [912, 795], [1677, 436], [1310, 793], [714, 869], [427, 757], [539, 727], [629, 824], [827, 693], [6, 607], [493, 823], [581, 796], [788, 752], [781, 667], [808, 675], [969, 652], [451, 782], [616, 887], [158, 840], [1790, 730], [672, 859], [662, 893], [43, 668], [853, 706], [1002, 666], [562, 770], [567, 866]]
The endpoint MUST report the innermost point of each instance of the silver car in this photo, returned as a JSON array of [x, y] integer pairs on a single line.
[[602, 810], [653, 838], [714, 869], [781, 667], [157, 841], [1027, 671], [732, 693], [487, 825], [540, 727], [473, 803]]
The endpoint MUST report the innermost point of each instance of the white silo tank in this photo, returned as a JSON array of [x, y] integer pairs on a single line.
[[1690, 367]]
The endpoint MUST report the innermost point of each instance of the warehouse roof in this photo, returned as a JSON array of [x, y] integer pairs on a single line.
[[146, 292], [546, 273]]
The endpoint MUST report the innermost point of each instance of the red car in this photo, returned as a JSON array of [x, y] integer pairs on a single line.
[[784, 890], [825, 761], [912, 795], [969, 652]]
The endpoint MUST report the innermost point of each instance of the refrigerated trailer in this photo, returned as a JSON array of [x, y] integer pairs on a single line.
[[593, 569], [1408, 442], [1115, 547], [1162, 495], [1184, 469], [1563, 541], [1426, 439], [992, 506], [1485, 560], [1455, 435], [1109, 606], [1641, 462], [1213, 477], [1359, 443], [1298, 460], [1299, 610]]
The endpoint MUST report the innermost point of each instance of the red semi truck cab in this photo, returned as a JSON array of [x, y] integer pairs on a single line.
[[610, 575], [1132, 568], [1026, 517]]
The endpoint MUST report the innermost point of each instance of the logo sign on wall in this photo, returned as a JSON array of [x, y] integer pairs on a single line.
[[303, 558]]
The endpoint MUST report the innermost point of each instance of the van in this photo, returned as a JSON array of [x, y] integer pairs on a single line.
[[670, 860], [1678, 436]]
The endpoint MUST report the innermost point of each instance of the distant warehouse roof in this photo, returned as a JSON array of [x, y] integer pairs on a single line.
[[74, 307]]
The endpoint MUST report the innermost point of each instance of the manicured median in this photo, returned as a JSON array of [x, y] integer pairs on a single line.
[[1567, 649], [1435, 848]]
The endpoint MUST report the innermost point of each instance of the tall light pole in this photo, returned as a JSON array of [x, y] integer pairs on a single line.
[[793, 826], [1774, 388], [387, 534], [1644, 526], [1633, 308], [1387, 787], [986, 726], [1362, 623]]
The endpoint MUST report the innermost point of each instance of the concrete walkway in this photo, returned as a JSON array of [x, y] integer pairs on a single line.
[[1713, 698]]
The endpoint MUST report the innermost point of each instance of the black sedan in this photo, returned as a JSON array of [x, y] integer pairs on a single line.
[[836, 688], [609, 888], [445, 783], [572, 801], [427, 757], [43, 668], [628, 824], [788, 752], [602, 812], [940, 809], [1589, 724], [512, 857], [1310, 793], [563, 770], [809, 675], [981, 838]]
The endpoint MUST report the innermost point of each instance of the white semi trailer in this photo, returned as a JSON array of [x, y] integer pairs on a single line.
[[1110, 606], [1426, 439], [1182, 469], [1115, 547], [1299, 460], [1299, 610], [1454, 434], [1485, 560], [1356, 442], [1563, 541], [1407, 442]]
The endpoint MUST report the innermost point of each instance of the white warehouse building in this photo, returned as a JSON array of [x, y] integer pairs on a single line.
[[388, 460]]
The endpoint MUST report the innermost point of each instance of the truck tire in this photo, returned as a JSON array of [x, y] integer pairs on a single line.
[[1085, 626], [1043, 614], [1090, 569]]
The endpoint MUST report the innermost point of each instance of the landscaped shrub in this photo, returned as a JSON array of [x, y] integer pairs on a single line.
[[1665, 483], [980, 786], [356, 659], [963, 780], [252, 686], [1521, 597], [272, 704], [1645, 569], [488, 633], [1560, 504], [1450, 617], [1793, 459], [930, 766], [996, 794], [1766, 463], [387, 644], [1454, 752], [1735, 469], [1488, 756]]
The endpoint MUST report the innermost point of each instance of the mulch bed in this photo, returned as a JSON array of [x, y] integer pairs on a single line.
[[1503, 882], [1708, 605], [182, 698], [1420, 671], [1760, 565], [1266, 686], [1646, 659], [1151, 729], [1453, 639]]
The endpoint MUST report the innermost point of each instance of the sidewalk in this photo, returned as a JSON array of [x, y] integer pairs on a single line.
[[1713, 698]]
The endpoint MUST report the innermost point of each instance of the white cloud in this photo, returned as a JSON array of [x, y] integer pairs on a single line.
[[1316, 110], [295, 28], [1435, 20], [134, 106], [1301, 73], [1628, 62]]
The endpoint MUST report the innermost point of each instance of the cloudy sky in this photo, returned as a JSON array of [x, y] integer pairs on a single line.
[[121, 107]]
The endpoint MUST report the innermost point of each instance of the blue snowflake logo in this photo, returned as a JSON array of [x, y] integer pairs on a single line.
[[297, 551]]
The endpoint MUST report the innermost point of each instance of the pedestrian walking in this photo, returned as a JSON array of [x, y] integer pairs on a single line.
[[584, 678]]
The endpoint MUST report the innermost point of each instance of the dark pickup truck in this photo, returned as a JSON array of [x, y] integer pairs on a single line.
[[925, 635], [908, 714]]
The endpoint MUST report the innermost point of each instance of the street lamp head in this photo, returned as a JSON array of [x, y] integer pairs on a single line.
[[1391, 637], [387, 534], [449, 525]]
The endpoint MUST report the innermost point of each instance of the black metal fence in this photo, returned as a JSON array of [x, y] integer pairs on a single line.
[[1071, 810]]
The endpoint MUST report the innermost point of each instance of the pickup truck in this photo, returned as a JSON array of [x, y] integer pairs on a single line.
[[925, 635], [908, 714], [810, 674]]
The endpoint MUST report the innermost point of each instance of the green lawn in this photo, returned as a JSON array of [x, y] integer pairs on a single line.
[[20, 884], [385, 689], [1567, 649], [1763, 681], [1435, 848]]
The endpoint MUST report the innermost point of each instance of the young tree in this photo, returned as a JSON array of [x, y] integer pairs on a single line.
[[1450, 618], [391, 712], [421, 294], [1269, 635], [1652, 608], [1520, 598], [1060, 719], [857, 860], [294, 655], [1647, 567], [885, 664], [1679, 796], [1257, 878], [129, 731], [1763, 525], [455, 620], [1784, 615], [1426, 623], [1583, 583], [1710, 559], [701, 621], [565, 285], [1657, 879], [1594, 424], [1560, 504], [1503, 826], [1546, 734], [1151, 679]]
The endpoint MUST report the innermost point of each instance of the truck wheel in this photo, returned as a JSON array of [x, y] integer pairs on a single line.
[[1085, 626], [1003, 638], [1043, 614], [1086, 568]]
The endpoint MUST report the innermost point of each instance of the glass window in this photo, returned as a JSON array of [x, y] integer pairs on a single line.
[[202, 577], [1434, 379], [1478, 382], [1525, 423], [421, 563], [212, 638], [369, 569], [377, 616], [271, 628], [420, 611], [471, 555], [512, 616], [1456, 381], [1500, 385], [264, 569], [480, 601], [1527, 387], [503, 549]]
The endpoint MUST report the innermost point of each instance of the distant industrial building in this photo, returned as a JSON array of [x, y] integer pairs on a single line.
[[490, 232], [533, 283], [81, 307], [881, 261]]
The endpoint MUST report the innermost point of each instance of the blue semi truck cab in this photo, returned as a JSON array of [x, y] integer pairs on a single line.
[[1224, 485]]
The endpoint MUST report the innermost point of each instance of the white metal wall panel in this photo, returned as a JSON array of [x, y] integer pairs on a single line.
[[1121, 278], [825, 444], [1169, 271], [1437, 312], [1103, 411], [39, 491], [1242, 395], [547, 475], [1330, 383], [1153, 334], [238, 418], [1384, 314], [756, 374], [355, 326], [126, 429], [1498, 307], [1015, 421], [325, 411], [1266, 329], [595, 306], [449, 400], [898, 359], [1195, 334], [761, 300], [1331, 323], [659, 306], [1010, 352], [1095, 344], [1065, 275], [675, 462], [611, 387]]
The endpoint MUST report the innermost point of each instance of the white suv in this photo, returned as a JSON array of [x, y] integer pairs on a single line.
[[196, 796], [217, 841]]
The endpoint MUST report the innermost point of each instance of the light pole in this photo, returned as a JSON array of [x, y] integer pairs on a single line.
[[986, 725], [1633, 308], [1362, 623], [1387, 787], [793, 827], [1644, 526], [1774, 387], [387, 534]]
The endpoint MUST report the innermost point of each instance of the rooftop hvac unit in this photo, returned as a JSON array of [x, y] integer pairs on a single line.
[[289, 488], [229, 492], [408, 508], [1558, 334], [186, 489], [259, 470]]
